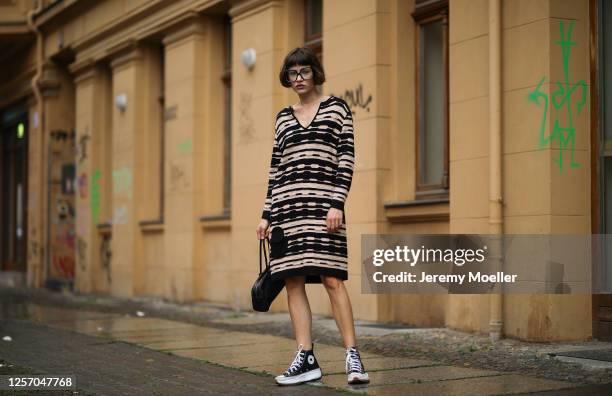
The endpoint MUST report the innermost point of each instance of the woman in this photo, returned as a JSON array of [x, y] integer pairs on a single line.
[[309, 179]]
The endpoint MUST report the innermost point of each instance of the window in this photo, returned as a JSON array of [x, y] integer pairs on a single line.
[[227, 84], [162, 127], [153, 140], [432, 163], [314, 26], [102, 181]]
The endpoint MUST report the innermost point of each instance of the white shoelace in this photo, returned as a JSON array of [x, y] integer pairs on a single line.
[[353, 361], [297, 361]]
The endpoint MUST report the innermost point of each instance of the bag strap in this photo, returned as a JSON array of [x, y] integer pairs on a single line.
[[267, 247], [262, 248]]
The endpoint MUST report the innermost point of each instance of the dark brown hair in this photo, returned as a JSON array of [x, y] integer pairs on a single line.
[[302, 56]]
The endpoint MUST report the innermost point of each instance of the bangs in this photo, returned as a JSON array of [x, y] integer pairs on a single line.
[[298, 58]]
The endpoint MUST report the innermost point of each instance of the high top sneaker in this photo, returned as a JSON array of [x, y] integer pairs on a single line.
[[354, 367], [303, 368]]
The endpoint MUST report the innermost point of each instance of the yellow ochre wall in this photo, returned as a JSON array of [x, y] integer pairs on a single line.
[[199, 252]]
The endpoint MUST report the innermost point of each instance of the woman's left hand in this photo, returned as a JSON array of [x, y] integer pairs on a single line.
[[334, 219]]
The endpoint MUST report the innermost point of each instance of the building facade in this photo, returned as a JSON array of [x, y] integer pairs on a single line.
[[136, 139]]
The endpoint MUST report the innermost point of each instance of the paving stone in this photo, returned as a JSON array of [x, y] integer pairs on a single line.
[[177, 335], [118, 323], [337, 366], [409, 375], [111, 368], [229, 346], [590, 390], [245, 359], [163, 335], [478, 386], [49, 314], [240, 341]]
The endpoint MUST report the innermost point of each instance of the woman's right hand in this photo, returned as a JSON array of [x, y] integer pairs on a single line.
[[262, 229]]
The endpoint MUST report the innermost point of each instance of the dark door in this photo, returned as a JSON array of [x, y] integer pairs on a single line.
[[13, 189], [601, 120]]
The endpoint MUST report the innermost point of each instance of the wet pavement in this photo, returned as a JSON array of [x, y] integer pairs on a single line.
[[113, 353]]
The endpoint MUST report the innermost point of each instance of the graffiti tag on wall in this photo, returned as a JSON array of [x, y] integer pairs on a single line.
[[356, 99], [95, 195], [106, 255], [122, 181], [82, 146], [246, 124], [62, 216], [560, 104], [185, 147]]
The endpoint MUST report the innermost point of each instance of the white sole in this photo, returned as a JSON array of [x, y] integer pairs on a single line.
[[357, 378], [298, 379]]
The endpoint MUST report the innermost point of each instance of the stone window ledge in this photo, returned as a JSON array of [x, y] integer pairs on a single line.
[[223, 221], [418, 210]]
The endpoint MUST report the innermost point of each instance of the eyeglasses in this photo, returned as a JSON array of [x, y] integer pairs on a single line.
[[305, 72]]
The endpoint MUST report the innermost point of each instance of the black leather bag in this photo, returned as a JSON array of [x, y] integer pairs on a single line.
[[264, 290]]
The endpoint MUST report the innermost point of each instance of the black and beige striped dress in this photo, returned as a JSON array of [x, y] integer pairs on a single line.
[[310, 171]]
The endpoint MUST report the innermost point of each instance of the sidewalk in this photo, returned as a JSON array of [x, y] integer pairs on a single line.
[[258, 344], [107, 367]]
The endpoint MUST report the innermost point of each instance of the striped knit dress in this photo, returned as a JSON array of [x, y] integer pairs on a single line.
[[310, 171]]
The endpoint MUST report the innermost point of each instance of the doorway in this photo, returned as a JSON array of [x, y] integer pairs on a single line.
[[601, 148], [13, 188]]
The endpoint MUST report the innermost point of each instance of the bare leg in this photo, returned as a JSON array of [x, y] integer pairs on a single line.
[[299, 309], [341, 308]]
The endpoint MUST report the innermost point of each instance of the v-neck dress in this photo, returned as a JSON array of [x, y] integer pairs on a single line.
[[311, 170]]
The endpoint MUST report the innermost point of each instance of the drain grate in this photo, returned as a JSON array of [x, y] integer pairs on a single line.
[[604, 355]]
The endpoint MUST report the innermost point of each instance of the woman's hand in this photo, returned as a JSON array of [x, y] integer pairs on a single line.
[[334, 219], [262, 229]]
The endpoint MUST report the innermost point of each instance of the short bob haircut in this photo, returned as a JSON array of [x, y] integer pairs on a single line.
[[302, 56]]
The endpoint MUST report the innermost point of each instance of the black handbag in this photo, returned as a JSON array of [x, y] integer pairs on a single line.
[[264, 290]]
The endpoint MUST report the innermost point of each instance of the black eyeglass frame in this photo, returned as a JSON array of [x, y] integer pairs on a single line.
[[299, 73]]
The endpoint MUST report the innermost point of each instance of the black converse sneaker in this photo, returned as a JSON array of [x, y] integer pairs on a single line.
[[354, 367], [303, 368]]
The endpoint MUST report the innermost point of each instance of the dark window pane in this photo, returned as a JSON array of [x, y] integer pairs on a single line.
[[227, 181], [228, 42], [431, 112], [314, 18]]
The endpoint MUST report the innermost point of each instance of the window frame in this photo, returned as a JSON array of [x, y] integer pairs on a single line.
[[226, 78], [314, 41], [162, 129], [426, 12]]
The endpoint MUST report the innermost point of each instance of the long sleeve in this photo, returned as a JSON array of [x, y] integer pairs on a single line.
[[346, 161], [274, 162]]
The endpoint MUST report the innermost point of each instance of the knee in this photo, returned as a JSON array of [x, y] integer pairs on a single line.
[[331, 283], [294, 282]]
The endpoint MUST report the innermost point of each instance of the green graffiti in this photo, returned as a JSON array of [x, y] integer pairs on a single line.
[[122, 179], [185, 147], [95, 195], [561, 101]]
